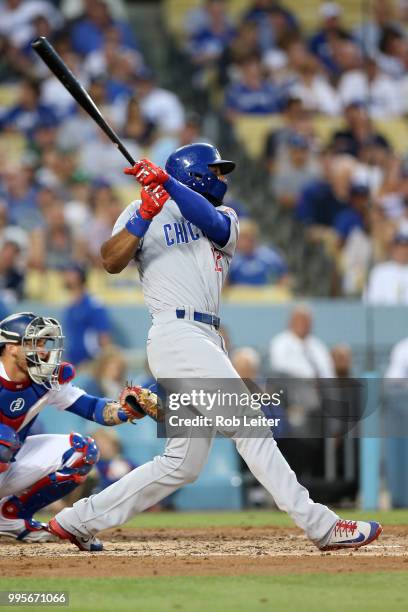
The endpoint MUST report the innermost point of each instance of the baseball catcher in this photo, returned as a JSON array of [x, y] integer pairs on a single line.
[[36, 470]]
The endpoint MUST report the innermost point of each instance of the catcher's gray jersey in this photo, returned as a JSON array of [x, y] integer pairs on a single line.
[[178, 265]]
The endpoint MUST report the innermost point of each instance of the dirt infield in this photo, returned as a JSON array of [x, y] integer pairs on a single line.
[[211, 551]]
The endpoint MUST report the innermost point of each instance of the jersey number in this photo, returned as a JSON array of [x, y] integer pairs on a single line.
[[217, 259]]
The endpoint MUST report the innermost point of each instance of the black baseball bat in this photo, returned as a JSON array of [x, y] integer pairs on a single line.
[[54, 62]]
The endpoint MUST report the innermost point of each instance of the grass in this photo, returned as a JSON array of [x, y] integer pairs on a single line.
[[310, 593], [178, 520]]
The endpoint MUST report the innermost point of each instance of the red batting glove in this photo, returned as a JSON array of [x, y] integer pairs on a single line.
[[146, 172], [153, 201]]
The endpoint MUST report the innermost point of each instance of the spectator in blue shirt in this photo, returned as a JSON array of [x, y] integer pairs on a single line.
[[209, 40], [86, 322], [274, 22], [354, 215], [318, 204], [21, 196], [253, 93], [88, 33], [255, 264], [28, 113], [321, 43], [322, 199]]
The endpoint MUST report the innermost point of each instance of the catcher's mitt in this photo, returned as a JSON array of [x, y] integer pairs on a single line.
[[138, 402]]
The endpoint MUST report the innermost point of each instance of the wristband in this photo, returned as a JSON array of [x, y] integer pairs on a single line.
[[137, 225], [122, 415], [99, 413]]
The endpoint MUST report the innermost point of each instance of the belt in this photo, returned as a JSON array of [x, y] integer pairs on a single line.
[[200, 317]]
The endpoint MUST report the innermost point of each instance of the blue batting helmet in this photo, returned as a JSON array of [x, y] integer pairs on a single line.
[[9, 444], [42, 341], [191, 166]]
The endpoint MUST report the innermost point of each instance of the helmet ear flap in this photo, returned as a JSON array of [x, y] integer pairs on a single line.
[[209, 186], [191, 164]]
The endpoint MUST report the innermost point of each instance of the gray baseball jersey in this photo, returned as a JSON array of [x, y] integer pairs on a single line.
[[178, 265]]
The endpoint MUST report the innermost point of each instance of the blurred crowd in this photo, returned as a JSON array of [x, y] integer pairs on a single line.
[[62, 184], [61, 180], [348, 189]]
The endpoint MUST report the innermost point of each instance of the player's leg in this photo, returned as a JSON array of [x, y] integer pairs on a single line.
[[203, 357], [271, 469], [145, 486], [181, 463], [47, 468], [187, 350]]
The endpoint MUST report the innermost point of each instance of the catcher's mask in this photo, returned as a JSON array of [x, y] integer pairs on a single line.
[[42, 341], [191, 166]]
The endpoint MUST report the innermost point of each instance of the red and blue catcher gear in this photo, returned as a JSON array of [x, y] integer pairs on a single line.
[[190, 165], [50, 488], [66, 373], [20, 403], [9, 445]]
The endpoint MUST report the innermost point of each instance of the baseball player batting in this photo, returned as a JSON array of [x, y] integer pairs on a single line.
[[182, 238], [36, 470]]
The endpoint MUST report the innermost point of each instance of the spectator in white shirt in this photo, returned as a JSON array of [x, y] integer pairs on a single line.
[[388, 281], [99, 160], [306, 80], [247, 362], [17, 16], [54, 94], [373, 87], [398, 366], [103, 61], [296, 352], [160, 106]]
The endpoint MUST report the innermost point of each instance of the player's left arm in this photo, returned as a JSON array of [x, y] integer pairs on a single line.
[[196, 208], [134, 403], [97, 409]]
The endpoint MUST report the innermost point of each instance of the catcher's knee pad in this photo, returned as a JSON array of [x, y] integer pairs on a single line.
[[82, 455], [77, 462]]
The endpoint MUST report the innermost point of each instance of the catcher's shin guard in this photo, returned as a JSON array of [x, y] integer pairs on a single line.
[[77, 462]]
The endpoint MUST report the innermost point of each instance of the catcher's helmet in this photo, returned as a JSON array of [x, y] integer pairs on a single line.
[[190, 165], [37, 336], [9, 444]]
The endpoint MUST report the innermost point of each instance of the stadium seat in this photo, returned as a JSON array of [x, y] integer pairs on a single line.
[[252, 130], [175, 12], [12, 146], [396, 131], [325, 127], [309, 13], [8, 94], [255, 295], [110, 289]]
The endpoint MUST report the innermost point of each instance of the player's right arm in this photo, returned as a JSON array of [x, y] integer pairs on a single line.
[[118, 251], [129, 230]]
